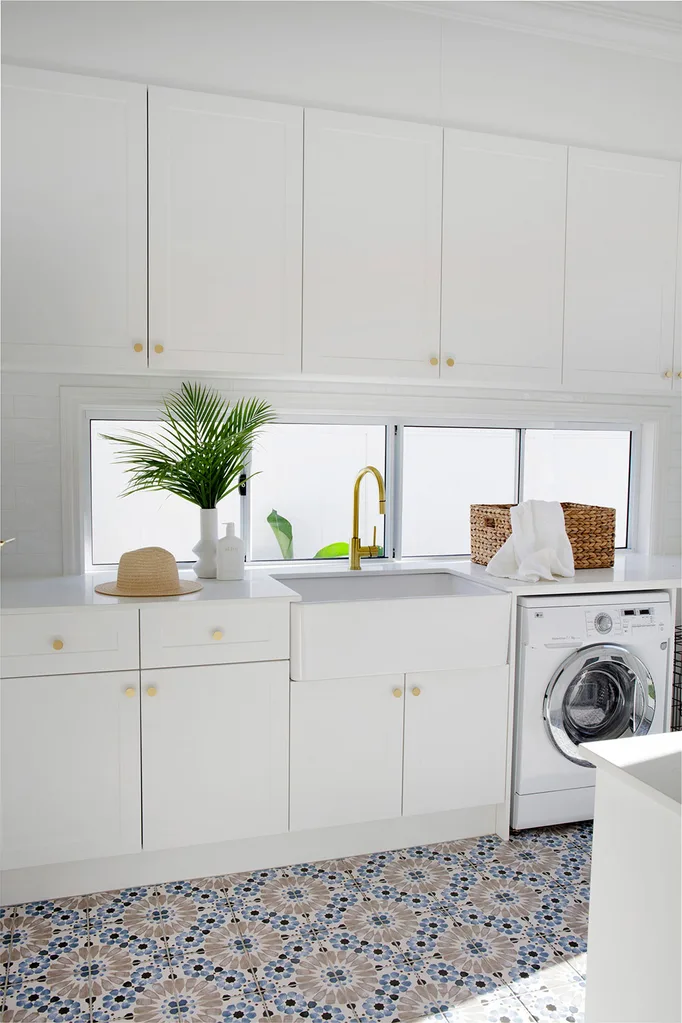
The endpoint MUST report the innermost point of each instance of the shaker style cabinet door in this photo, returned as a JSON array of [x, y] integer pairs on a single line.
[[455, 739], [504, 212], [372, 235], [346, 750], [215, 747], [74, 222], [70, 760], [621, 251], [225, 210]]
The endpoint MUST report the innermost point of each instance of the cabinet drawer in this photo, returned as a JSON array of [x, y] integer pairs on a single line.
[[176, 635], [69, 642]]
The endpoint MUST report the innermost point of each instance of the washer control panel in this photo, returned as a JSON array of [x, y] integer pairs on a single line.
[[621, 621]]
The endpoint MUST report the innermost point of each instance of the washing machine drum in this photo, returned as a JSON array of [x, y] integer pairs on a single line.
[[598, 692]]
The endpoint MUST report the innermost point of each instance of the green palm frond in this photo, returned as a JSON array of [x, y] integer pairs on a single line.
[[203, 449]]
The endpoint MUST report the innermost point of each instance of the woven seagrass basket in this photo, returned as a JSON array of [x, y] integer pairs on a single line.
[[591, 531]]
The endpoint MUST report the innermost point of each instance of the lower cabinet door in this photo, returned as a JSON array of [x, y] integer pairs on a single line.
[[346, 750], [70, 767], [455, 739], [215, 743]]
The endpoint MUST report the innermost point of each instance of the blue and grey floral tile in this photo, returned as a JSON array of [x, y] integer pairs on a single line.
[[474, 931]]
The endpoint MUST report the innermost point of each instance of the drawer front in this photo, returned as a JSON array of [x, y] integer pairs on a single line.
[[215, 632], [69, 642]]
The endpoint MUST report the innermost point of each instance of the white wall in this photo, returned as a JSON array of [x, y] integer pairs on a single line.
[[366, 57]]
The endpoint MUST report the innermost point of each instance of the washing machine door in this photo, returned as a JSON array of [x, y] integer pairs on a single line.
[[598, 692]]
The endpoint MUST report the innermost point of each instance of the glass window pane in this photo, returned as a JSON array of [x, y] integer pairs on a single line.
[[445, 471], [153, 519], [585, 466], [306, 474]]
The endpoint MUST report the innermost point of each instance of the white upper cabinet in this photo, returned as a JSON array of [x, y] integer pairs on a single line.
[[225, 222], [620, 271], [74, 222], [372, 239], [504, 213]]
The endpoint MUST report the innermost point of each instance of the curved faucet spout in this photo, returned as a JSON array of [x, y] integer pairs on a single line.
[[357, 551]]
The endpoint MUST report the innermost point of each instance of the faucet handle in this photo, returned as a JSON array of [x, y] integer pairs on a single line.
[[374, 538]]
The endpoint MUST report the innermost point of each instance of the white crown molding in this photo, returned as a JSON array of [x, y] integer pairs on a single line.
[[583, 21]]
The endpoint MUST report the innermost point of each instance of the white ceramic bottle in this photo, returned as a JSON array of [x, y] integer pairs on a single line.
[[230, 554]]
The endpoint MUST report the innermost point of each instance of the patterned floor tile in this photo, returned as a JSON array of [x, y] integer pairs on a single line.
[[557, 997], [498, 1006], [474, 931]]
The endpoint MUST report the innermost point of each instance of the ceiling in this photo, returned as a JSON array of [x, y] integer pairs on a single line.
[[650, 27]]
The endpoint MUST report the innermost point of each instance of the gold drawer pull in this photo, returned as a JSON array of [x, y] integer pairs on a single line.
[[218, 634], [138, 346], [433, 360], [151, 690], [158, 349], [57, 644], [416, 691], [397, 693], [450, 361], [668, 373], [130, 691]]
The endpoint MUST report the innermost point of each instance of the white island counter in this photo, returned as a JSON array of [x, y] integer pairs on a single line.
[[635, 924]]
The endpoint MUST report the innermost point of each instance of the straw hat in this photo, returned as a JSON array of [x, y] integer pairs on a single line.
[[148, 572]]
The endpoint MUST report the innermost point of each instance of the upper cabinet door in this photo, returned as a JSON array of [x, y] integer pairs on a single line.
[[371, 300], [504, 214], [74, 222], [620, 271], [225, 221]]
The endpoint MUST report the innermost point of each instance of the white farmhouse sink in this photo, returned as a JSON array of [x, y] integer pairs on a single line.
[[376, 623], [365, 585]]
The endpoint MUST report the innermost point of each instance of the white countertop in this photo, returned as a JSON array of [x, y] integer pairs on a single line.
[[630, 572], [78, 591], [649, 762]]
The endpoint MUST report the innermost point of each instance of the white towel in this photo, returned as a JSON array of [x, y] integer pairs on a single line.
[[538, 547]]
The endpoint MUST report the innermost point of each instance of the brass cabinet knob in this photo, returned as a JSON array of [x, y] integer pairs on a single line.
[[158, 349], [416, 690], [450, 361], [138, 346], [130, 691], [151, 690], [397, 693], [57, 644], [433, 360], [680, 374], [668, 373], [218, 634]]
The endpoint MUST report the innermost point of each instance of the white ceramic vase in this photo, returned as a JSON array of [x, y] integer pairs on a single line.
[[205, 550]]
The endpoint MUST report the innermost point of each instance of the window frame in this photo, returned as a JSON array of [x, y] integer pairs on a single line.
[[395, 427]]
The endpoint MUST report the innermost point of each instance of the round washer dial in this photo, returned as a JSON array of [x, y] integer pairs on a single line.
[[603, 623]]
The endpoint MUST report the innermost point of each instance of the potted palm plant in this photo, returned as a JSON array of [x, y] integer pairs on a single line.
[[200, 455]]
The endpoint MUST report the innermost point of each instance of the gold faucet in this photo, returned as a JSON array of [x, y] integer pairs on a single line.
[[356, 550]]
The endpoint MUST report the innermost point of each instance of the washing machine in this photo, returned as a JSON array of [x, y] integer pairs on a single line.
[[588, 667]]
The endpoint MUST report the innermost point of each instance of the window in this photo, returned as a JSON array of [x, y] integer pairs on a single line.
[[152, 519], [445, 471], [306, 475], [298, 504], [585, 466]]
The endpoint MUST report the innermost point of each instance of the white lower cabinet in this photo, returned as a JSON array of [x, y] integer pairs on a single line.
[[455, 739], [346, 750], [214, 753], [70, 767]]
